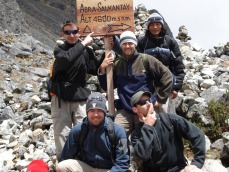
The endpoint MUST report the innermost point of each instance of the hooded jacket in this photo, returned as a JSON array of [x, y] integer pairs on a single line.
[[173, 59], [130, 76], [97, 147], [161, 152]]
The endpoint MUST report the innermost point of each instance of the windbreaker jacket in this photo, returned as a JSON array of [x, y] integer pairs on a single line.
[[157, 149], [131, 76], [97, 147], [173, 61], [71, 65]]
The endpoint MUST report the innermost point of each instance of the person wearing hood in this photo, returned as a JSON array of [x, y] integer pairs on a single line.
[[157, 43]]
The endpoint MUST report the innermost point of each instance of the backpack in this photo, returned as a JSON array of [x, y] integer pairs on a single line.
[[111, 136]]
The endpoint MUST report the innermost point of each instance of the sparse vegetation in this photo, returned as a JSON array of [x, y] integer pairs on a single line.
[[219, 111]]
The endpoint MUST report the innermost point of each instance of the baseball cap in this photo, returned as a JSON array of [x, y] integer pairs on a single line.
[[136, 97]]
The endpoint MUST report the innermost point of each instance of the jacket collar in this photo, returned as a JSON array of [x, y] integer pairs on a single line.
[[102, 125], [159, 39], [134, 56], [70, 45]]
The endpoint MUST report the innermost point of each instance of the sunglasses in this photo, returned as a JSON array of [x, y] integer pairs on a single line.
[[143, 102], [69, 32]]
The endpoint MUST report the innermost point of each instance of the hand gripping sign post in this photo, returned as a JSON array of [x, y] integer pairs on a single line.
[[105, 18]]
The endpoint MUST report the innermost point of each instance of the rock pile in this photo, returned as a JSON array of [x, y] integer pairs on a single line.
[[26, 130]]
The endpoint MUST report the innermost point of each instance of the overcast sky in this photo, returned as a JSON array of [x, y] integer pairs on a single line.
[[207, 21]]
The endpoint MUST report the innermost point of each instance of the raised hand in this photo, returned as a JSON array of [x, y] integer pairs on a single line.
[[88, 39], [108, 60], [150, 117]]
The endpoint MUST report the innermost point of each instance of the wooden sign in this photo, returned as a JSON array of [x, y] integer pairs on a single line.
[[105, 17]]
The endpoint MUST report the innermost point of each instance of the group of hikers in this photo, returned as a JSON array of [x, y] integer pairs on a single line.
[[148, 73]]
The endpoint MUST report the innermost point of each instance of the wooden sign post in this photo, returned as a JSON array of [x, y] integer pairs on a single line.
[[105, 18], [110, 84]]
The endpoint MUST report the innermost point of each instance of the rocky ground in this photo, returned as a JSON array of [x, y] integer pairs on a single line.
[[40, 18]]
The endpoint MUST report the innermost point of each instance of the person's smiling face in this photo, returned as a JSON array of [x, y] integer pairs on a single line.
[[69, 34], [128, 49], [95, 116]]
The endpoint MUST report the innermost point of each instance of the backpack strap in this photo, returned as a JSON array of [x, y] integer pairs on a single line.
[[168, 124], [145, 62], [82, 138], [111, 136], [172, 56], [116, 61]]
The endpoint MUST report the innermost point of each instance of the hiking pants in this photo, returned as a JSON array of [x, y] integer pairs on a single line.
[[128, 121], [64, 118], [72, 165]]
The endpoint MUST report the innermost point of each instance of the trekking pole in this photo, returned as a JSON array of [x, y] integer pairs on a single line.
[[109, 75]]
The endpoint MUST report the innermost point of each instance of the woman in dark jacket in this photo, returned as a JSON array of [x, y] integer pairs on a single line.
[[165, 48]]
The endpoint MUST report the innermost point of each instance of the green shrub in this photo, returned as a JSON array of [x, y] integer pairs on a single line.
[[219, 111]]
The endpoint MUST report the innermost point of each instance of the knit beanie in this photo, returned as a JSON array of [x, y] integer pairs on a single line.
[[128, 36], [154, 18], [96, 101], [37, 166]]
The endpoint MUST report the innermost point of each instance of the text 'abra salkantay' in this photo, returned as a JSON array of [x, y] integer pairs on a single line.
[[101, 8]]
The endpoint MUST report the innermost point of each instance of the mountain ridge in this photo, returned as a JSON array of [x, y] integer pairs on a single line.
[[39, 18]]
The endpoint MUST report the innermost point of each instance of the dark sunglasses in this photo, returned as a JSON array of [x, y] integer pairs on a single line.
[[143, 102], [69, 32]]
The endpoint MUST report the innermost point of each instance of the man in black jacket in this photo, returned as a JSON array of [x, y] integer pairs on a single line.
[[157, 43], [158, 138], [73, 60]]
